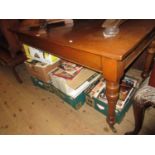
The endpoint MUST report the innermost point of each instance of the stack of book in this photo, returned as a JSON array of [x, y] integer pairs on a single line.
[[126, 88], [40, 70], [67, 70], [73, 79], [40, 63]]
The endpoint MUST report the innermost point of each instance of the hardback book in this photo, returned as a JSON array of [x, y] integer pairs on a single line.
[[98, 88], [126, 88], [67, 70]]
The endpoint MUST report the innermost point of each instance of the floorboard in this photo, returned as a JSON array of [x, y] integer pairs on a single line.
[[25, 109]]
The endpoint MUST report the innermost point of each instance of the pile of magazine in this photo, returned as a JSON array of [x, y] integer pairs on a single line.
[[73, 79], [126, 88], [67, 70]]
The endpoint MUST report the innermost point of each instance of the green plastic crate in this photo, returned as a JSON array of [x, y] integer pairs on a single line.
[[102, 107], [75, 103], [43, 85]]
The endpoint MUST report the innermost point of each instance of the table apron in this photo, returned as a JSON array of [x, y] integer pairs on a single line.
[[81, 57], [137, 51]]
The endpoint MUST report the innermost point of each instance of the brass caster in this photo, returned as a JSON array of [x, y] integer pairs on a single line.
[[113, 128], [78, 106]]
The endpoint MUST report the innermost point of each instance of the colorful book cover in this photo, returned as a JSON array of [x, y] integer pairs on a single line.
[[126, 87], [67, 70]]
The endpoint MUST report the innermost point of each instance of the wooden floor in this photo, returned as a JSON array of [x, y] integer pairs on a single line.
[[25, 109]]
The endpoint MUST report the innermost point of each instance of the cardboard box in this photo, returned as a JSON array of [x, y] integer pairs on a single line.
[[76, 103], [40, 70], [79, 100], [102, 106], [80, 82], [43, 85], [39, 55]]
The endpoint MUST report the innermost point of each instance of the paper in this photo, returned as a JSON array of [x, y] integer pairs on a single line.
[[79, 79]]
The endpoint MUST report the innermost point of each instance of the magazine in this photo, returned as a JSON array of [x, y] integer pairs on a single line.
[[126, 88], [97, 89], [67, 70], [70, 68]]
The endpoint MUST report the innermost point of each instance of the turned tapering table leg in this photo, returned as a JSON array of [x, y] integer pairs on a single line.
[[112, 71], [149, 60], [112, 93]]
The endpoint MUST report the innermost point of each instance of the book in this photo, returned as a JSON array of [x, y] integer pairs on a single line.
[[67, 70], [126, 88], [62, 84], [39, 55], [97, 89]]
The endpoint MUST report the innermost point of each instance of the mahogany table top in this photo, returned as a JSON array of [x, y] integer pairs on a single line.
[[88, 37]]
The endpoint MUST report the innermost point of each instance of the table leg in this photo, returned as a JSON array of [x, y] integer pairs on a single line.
[[112, 72], [149, 60], [112, 93]]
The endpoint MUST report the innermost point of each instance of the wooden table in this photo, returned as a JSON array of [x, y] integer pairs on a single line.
[[84, 44]]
